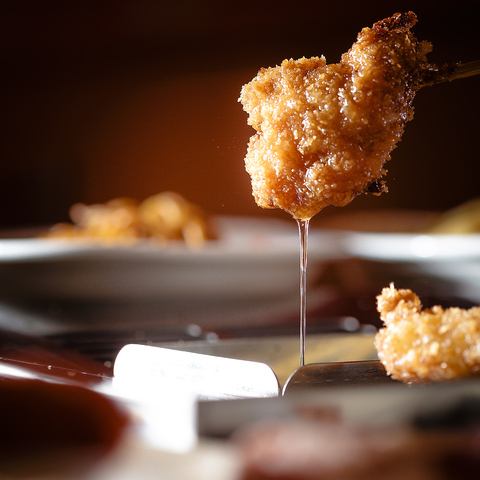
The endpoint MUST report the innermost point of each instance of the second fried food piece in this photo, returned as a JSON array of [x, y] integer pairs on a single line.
[[168, 215], [113, 221], [163, 217], [324, 132], [421, 345]]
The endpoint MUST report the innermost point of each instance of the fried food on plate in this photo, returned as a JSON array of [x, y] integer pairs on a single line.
[[422, 345], [163, 217], [324, 131], [459, 220], [168, 215]]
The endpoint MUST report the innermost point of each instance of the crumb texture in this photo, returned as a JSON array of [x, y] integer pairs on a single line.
[[324, 131], [422, 345]]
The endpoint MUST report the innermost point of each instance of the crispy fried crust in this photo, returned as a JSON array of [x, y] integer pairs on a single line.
[[324, 132], [421, 345]]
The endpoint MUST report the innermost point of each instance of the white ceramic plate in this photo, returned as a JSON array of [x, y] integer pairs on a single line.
[[410, 247], [253, 258], [448, 264]]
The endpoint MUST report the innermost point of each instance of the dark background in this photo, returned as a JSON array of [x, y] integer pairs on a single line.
[[128, 98]]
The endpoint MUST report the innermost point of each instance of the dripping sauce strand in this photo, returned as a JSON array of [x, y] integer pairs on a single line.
[[303, 236]]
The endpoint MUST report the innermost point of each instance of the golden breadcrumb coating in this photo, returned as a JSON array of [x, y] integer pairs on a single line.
[[324, 132], [421, 345]]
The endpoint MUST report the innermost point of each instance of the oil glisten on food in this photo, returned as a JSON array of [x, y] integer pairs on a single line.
[[325, 131]]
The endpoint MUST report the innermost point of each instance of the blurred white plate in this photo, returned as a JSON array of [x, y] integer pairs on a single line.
[[410, 247], [448, 264], [253, 258]]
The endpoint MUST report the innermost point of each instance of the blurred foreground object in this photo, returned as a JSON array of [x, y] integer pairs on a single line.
[[162, 217], [327, 449], [50, 428], [421, 345]]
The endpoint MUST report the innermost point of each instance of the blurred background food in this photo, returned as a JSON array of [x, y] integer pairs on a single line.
[[163, 218], [109, 99]]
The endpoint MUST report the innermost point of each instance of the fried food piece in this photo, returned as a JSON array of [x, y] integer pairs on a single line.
[[422, 345], [56, 430], [114, 221], [163, 217], [324, 132], [168, 215]]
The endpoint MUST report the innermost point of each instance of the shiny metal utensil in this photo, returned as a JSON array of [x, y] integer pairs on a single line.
[[144, 370], [334, 374]]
